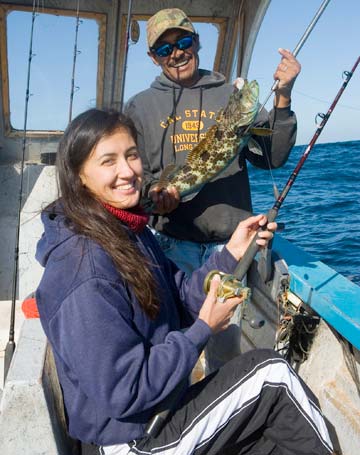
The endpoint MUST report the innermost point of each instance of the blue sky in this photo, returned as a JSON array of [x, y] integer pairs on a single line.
[[332, 48]]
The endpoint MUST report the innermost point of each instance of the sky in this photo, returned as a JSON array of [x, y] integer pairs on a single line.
[[332, 48]]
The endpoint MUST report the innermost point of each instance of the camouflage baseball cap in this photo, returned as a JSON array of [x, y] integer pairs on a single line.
[[164, 20]]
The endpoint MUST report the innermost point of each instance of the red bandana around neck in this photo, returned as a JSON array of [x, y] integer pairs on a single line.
[[135, 218]]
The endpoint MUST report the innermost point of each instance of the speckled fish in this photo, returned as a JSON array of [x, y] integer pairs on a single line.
[[221, 144]]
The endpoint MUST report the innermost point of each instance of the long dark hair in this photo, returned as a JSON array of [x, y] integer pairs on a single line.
[[88, 216]]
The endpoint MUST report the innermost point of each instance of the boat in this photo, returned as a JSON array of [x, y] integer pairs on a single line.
[[300, 306]]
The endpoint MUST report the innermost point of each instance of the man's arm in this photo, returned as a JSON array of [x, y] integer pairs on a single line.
[[281, 119]]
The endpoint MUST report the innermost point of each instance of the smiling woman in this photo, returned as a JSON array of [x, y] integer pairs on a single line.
[[126, 326], [113, 171]]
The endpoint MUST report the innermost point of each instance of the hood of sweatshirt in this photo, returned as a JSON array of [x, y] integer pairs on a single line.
[[56, 232]]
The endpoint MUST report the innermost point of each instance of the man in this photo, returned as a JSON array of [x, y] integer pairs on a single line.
[[171, 117], [174, 114]]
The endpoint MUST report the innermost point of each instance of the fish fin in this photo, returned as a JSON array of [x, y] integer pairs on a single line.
[[190, 196], [254, 147], [220, 116], [164, 177], [257, 131], [202, 146]]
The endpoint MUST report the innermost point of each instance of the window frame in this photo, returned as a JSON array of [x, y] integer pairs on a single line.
[[5, 10]]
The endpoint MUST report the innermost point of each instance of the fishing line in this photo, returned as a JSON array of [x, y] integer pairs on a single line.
[[128, 23], [10, 346], [76, 53], [253, 248], [345, 106]]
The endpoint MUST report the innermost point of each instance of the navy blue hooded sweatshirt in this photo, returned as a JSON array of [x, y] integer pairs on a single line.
[[114, 363]]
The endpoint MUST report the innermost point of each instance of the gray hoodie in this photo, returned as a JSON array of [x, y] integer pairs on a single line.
[[170, 120]]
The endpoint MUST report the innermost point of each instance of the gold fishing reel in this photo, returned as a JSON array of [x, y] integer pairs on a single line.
[[229, 286]]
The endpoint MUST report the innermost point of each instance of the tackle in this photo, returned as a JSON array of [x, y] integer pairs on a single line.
[[221, 145]]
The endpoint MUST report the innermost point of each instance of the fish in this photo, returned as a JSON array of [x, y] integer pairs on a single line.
[[221, 145]]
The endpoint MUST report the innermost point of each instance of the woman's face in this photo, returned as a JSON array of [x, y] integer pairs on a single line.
[[113, 171]]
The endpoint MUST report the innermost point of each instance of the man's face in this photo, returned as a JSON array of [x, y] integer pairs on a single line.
[[180, 66]]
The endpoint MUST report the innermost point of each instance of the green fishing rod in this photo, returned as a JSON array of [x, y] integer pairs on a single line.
[[245, 262]]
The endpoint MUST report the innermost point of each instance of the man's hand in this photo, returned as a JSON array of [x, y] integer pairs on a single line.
[[286, 73], [165, 200]]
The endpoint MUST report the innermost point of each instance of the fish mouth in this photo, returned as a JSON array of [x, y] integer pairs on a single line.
[[249, 95], [243, 105]]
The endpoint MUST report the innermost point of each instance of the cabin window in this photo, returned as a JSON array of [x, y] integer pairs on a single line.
[[139, 63], [51, 70]]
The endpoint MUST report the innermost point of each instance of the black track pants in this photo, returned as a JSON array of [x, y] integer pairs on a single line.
[[255, 405]]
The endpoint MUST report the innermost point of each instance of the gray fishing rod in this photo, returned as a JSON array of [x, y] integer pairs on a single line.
[[299, 46], [10, 346], [245, 262], [157, 422]]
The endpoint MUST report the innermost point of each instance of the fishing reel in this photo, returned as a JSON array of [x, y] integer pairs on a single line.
[[229, 286]]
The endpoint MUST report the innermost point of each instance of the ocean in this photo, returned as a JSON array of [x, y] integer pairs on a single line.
[[322, 209]]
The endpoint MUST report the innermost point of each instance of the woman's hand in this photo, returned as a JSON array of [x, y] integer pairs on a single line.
[[217, 314], [245, 232]]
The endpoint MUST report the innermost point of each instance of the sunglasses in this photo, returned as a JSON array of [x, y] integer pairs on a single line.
[[166, 49]]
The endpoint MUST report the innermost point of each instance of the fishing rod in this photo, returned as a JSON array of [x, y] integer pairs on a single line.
[[299, 46], [10, 346], [128, 24], [75, 54], [245, 262]]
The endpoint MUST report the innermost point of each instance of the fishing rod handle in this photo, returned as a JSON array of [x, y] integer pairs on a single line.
[[245, 262]]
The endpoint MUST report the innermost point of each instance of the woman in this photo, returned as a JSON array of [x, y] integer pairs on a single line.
[[113, 308]]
